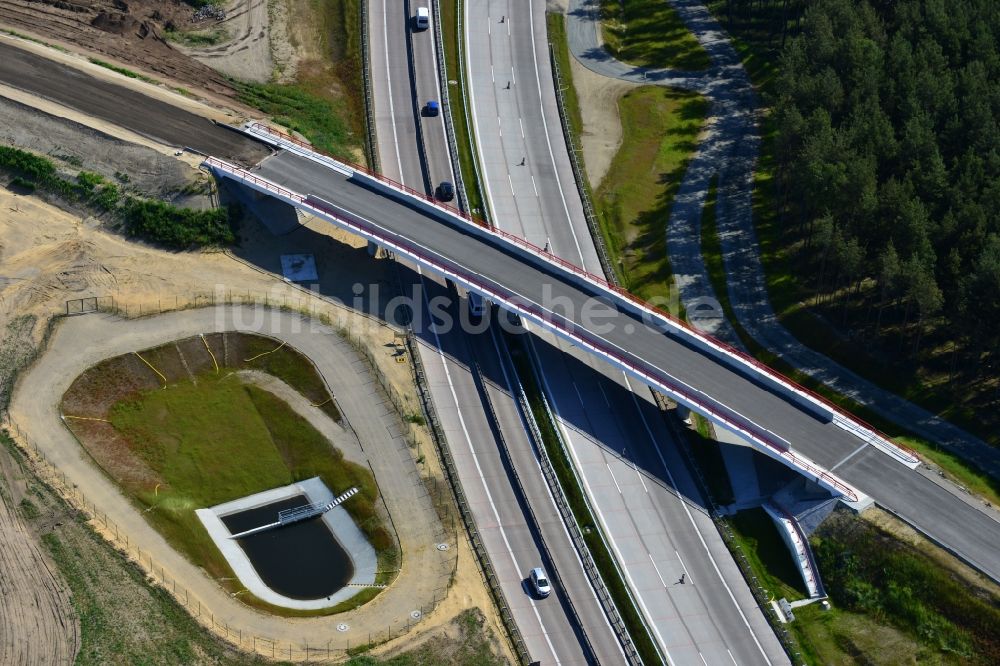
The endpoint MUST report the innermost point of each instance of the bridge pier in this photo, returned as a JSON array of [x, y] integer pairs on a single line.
[[279, 217]]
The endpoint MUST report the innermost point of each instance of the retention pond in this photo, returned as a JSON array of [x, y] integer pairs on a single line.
[[303, 560]]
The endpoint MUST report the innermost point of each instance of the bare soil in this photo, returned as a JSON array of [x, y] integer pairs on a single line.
[[130, 32], [37, 622], [246, 52]]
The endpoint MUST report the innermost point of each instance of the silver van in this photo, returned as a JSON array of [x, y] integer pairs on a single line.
[[422, 20]]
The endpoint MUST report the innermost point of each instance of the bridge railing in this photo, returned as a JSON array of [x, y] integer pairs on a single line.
[[724, 415]]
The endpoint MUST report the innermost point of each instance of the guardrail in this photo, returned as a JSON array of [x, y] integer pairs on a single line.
[[468, 519], [576, 535], [372, 147], [578, 172], [505, 452], [449, 129], [695, 399], [802, 395], [760, 594]]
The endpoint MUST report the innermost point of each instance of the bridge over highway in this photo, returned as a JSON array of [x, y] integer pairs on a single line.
[[733, 390], [780, 418]]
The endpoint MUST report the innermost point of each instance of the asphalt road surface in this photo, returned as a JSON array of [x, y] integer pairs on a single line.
[[653, 529], [971, 531], [123, 106], [403, 80]]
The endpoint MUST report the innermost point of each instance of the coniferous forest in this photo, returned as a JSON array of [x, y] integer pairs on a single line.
[[886, 165]]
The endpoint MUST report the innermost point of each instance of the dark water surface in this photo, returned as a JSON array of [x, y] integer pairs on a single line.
[[300, 561]]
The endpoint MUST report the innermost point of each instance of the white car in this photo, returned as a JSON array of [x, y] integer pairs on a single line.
[[540, 582], [422, 20]]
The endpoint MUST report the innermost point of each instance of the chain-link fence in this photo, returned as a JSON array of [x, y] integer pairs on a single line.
[[304, 303]]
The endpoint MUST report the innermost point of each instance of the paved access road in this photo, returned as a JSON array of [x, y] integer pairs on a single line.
[[123, 106]]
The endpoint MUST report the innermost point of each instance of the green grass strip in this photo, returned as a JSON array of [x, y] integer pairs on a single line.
[[650, 33], [581, 512], [459, 103]]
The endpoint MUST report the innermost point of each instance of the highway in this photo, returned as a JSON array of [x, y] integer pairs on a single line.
[[959, 525], [534, 284], [516, 539], [617, 437]]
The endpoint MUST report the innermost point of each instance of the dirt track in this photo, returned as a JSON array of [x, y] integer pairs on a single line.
[[123, 106], [37, 622]]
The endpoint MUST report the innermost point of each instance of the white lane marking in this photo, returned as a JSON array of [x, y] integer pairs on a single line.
[[513, 79], [388, 79], [579, 396], [732, 657], [849, 456], [479, 469], [511, 183], [500, 126], [703, 659], [614, 479], [521, 123], [607, 402], [597, 508], [687, 576], [492, 78], [704, 545], [548, 141], [535, 187], [641, 480], [548, 491], [657, 570], [489, 25]]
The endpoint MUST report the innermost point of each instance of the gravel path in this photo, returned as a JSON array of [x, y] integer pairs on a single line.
[[730, 149], [79, 342]]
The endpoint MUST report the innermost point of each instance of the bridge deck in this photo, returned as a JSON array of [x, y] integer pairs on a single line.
[[491, 263]]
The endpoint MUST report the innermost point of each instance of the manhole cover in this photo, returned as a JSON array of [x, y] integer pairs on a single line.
[[442, 546], [415, 614], [343, 627]]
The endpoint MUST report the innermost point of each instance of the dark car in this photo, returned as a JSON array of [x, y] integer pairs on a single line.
[[445, 191], [432, 108]]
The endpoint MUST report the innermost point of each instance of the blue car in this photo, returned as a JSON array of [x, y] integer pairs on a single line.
[[432, 108]]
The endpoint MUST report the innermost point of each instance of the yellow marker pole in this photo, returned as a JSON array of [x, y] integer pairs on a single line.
[[247, 360], [214, 362], [152, 368]]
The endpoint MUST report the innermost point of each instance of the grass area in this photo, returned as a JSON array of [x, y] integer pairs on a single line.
[[879, 581], [772, 563], [603, 559], [660, 127], [20, 35], [459, 102], [123, 71], [291, 367], [556, 26], [197, 37], [123, 620], [650, 33], [320, 119], [468, 642], [326, 102], [219, 440]]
